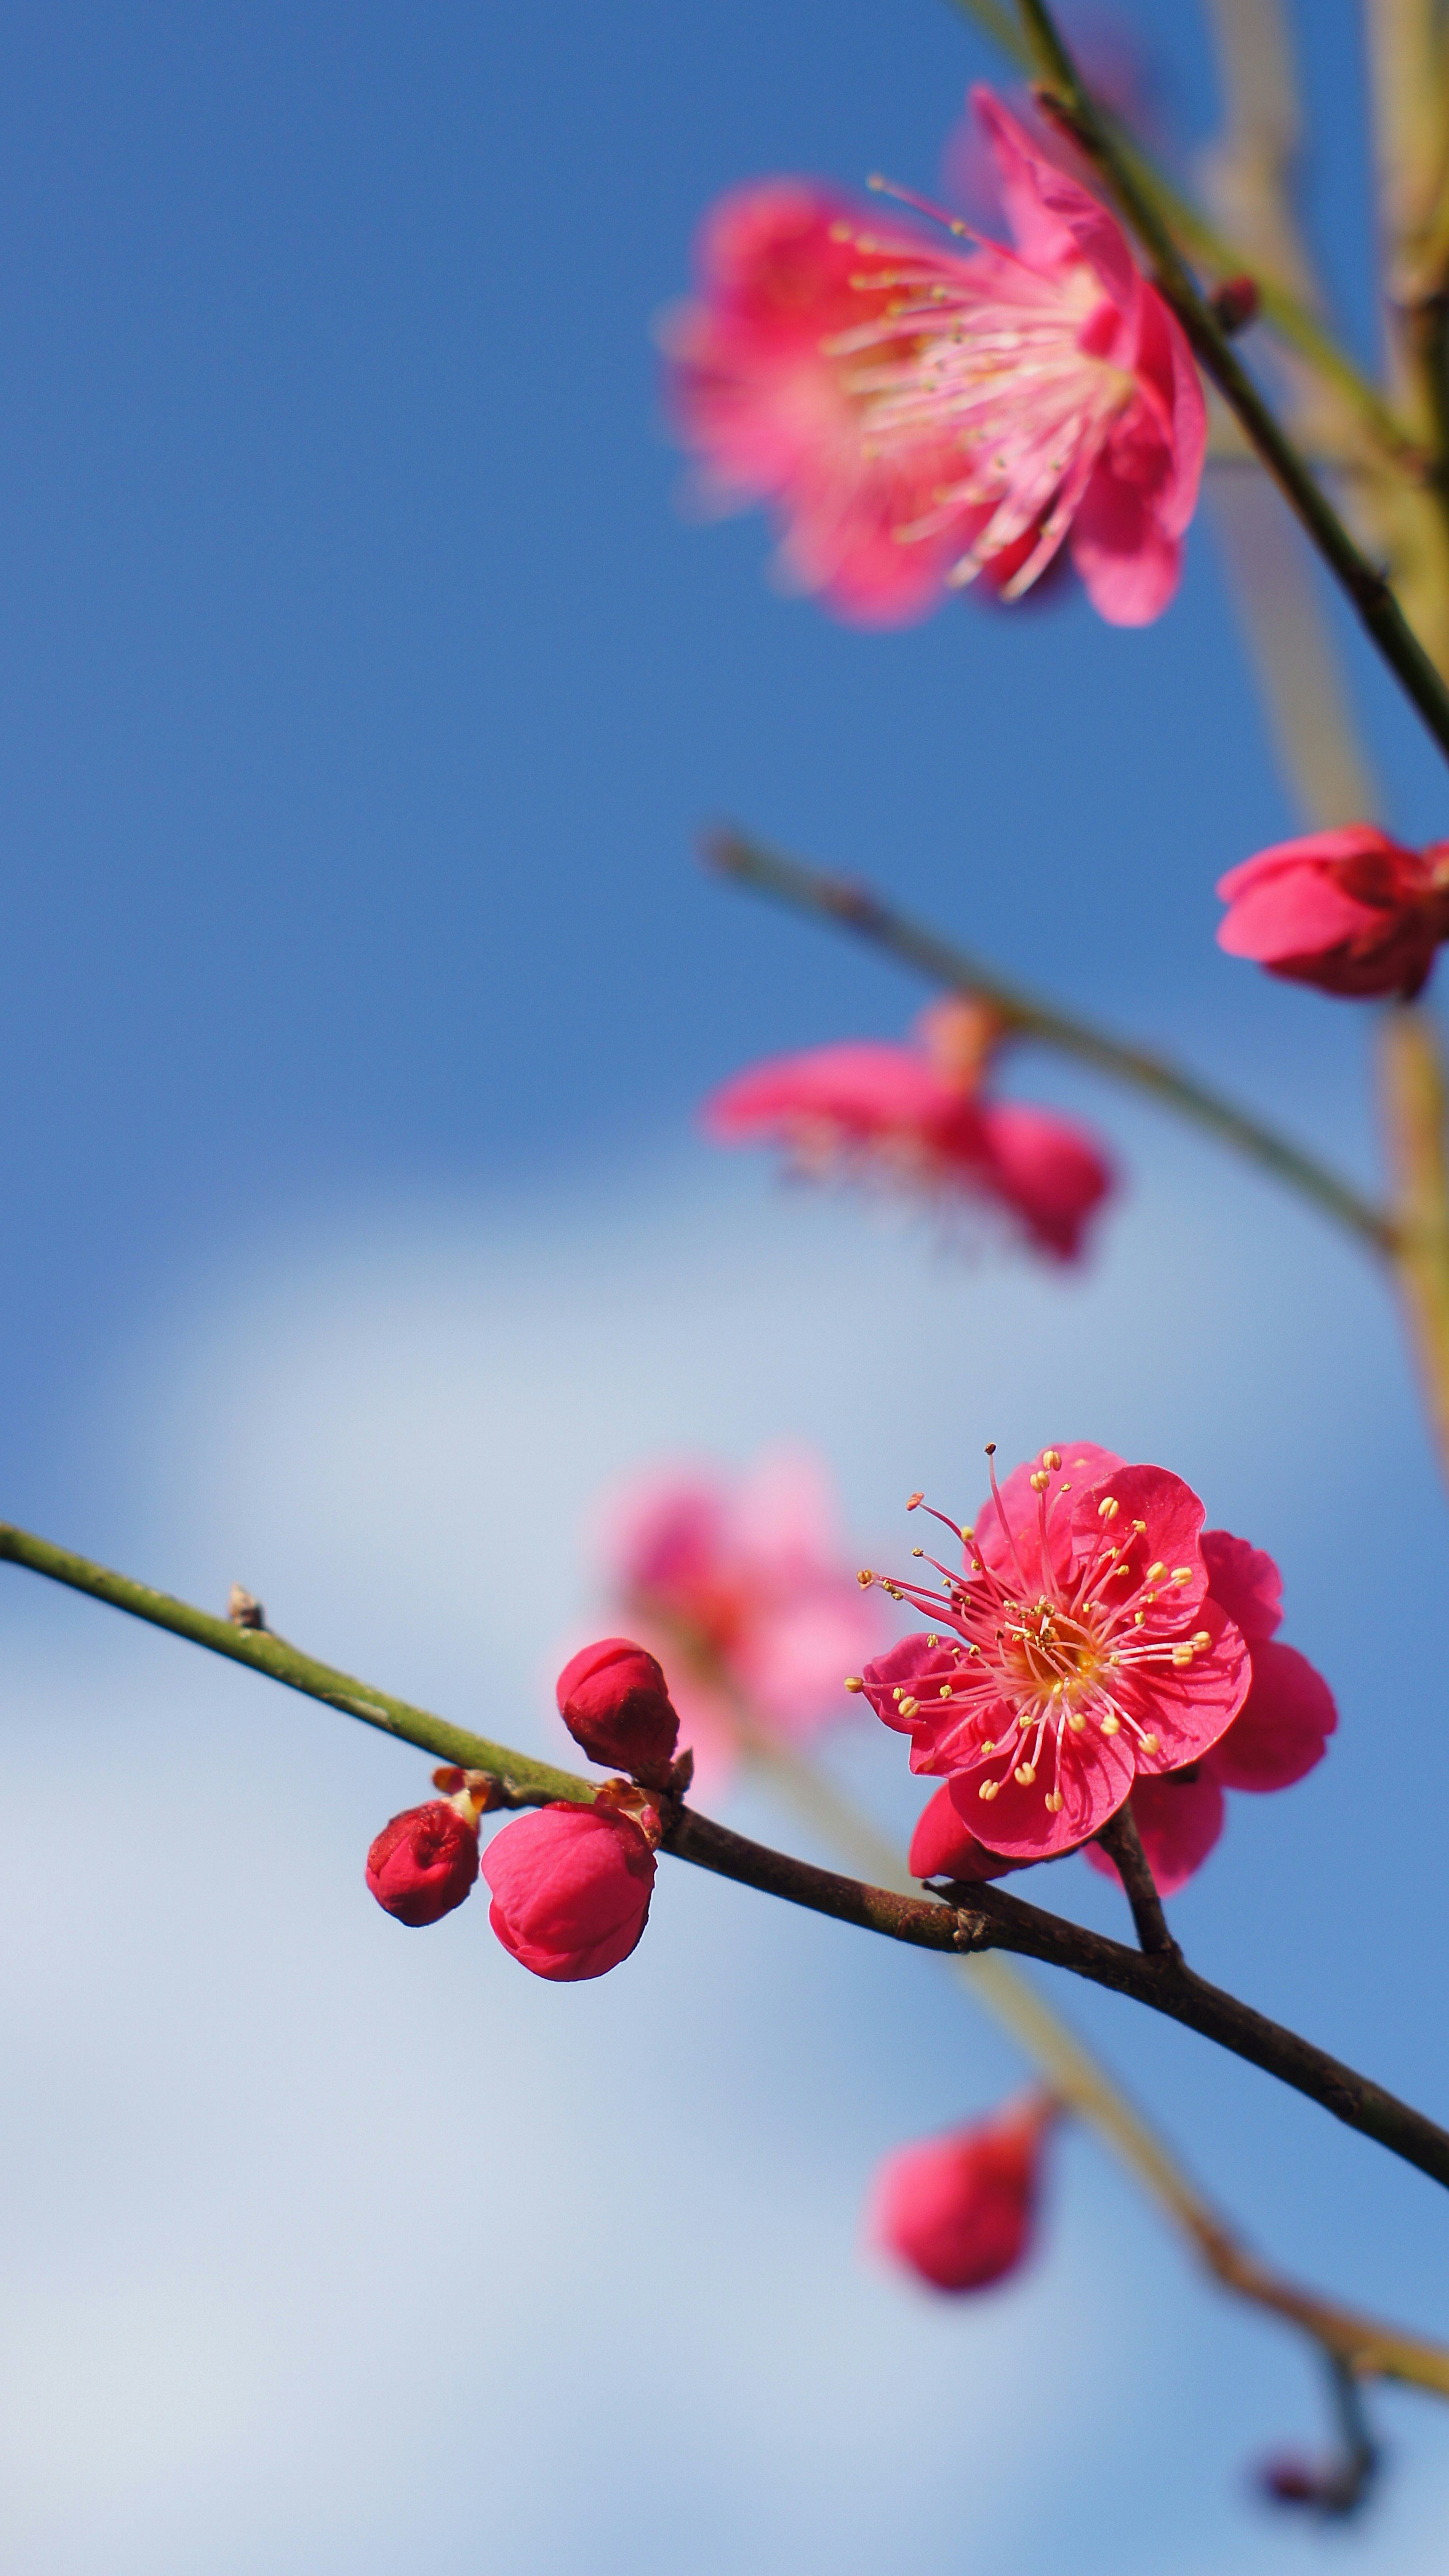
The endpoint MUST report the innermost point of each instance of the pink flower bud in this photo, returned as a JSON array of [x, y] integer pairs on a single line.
[[614, 1700], [424, 1863], [1236, 303], [959, 2210], [571, 1888]]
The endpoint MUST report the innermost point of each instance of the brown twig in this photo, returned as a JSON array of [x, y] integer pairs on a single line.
[[1122, 1843], [856, 907]]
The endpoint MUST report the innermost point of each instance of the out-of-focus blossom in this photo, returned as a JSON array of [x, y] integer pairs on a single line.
[[425, 1861], [571, 1889], [916, 1118], [1349, 911], [919, 417], [959, 2210], [615, 1702], [1076, 1650], [739, 1584]]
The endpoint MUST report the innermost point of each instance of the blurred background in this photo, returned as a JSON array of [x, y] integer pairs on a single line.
[[363, 687]]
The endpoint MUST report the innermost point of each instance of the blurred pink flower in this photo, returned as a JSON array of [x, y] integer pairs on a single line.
[[919, 417], [959, 2210], [739, 1586], [916, 1117], [1348, 910]]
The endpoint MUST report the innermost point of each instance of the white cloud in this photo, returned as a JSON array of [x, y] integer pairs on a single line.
[[328, 2244]]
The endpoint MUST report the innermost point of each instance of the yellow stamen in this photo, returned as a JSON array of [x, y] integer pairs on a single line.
[[853, 1682], [1025, 1775], [1055, 1801], [1111, 1725]]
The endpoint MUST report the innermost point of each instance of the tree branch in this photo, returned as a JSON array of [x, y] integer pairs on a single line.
[[855, 907], [1122, 1843], [957, 1920], [1064, 95]]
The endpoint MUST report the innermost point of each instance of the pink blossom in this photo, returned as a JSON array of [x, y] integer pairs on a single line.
[[571, 1889], [615, 1702], [424, 1862], [740, 1585], [960, 2210], [1076, 1651], [1348, 910], [915, 1117], [918, 417]]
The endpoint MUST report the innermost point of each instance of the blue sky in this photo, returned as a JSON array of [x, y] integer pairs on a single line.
[[363, 689]]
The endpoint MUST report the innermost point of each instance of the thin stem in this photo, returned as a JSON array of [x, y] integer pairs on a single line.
[[1122, 1843], [1287, 313], [1064, 95], [1348, 2341], [960, 1921], [1411, 1081], [856, 908]]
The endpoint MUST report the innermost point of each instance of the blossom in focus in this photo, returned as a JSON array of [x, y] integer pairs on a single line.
[[1076, 1650], [571, 1888], [919, 417], [741, 1587], [425, 1861], [916, 1116], [614, 1700], [960, 2210], [1348, 910]]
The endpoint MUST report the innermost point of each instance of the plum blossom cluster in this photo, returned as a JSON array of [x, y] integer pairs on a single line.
[[918, 1119], [570, 1884], [919, 418], [1093, 1643]]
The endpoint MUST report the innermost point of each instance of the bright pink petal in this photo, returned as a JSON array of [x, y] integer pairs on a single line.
[[1312, 849], [1179, 1821], [1291, 913], [1129, 565], [1008, 1540], [1016, 1820], [1054, 220], [864, 1088], [1283, 1726], [1244, 1582], [1048, 1171], [943, 1847]]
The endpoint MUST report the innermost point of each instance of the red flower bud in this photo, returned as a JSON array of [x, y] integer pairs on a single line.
[[571, 1888], [424, 1863], [1235, 303], [614, 1700], [959, 2210]]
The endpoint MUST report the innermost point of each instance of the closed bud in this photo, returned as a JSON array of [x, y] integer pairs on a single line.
[[1235, 303], [959, 2210], [424, 1862], [571, 1888], [615, 1702]]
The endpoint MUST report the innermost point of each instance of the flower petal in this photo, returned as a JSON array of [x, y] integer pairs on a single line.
[[1283, 1726], [1179, 1820]]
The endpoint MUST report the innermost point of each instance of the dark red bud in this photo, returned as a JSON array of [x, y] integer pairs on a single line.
[[424, 1863], [1235, 303], [615, 1702]]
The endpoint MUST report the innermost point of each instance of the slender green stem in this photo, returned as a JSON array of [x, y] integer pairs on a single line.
[[956, 1922], [1293, 320], [856, 908], [1363, 583]]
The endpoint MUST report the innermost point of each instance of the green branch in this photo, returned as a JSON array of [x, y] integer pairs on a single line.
[[972, 1919], [1063, 95]]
